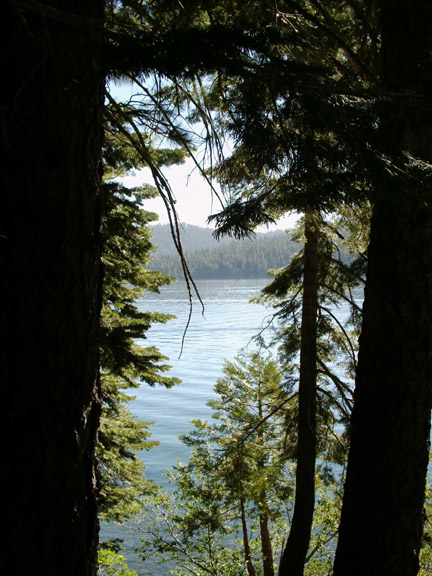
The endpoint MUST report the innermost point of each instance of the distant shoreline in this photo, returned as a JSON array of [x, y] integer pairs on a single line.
[[229, 259]]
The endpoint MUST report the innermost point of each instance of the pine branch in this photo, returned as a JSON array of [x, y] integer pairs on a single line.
[[62, 16], [166, 194]]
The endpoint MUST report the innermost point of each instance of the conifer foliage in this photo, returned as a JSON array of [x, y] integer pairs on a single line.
[[227, 508], [304, 114], [327, 104], [125, 361]]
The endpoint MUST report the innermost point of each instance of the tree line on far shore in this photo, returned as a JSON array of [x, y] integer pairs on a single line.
[[250, 258]]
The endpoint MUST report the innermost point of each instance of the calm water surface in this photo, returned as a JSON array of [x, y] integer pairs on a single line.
[[228, 324]]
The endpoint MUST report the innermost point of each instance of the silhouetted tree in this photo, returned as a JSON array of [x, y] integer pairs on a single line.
[[51, 141]]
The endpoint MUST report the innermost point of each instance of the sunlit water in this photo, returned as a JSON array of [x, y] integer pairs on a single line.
[[228, 324]]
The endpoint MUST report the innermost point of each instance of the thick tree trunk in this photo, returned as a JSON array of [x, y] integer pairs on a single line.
[[294, 555], [50, 139], [382, 516]]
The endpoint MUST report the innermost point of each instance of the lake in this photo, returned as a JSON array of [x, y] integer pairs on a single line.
[[228, 324]]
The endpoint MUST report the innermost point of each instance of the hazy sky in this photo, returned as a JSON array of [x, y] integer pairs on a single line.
[[195, 201], [193, 194]]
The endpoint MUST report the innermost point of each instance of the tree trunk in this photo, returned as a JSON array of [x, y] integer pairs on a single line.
[[294, 555], [266, 546], [382, 515], [247, 551], [50, 139]]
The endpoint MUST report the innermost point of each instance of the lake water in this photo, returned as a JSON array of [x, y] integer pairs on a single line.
[[229, 323]]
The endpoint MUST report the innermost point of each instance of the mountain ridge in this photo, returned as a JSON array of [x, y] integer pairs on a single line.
[[227, 258]]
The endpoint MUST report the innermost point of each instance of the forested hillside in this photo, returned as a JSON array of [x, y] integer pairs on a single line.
[[192, 237], [250, 258]]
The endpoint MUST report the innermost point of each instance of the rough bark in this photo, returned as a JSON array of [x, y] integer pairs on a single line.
[[382, 516], [294, 555], [50, 141]]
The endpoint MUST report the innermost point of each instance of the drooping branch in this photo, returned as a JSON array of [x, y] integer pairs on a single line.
[[136, 140]]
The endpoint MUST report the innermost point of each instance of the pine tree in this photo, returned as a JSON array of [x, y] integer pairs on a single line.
[[50, 139], [384, 494], [226, 512], [291, 154], [234, 481], [325, 394], [125, 364], [294, 555]]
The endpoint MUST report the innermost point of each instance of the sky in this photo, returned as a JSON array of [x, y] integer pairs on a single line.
[[194, 198]]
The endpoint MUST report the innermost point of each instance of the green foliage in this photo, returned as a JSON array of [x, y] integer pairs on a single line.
[[249, 413], [340, 277], [126, 257], [237, 461], [232, 258], [426, 549], [121, 437], [112, 564], [322, 547], [299, 140], [125, 361], [183, 531], [241, 458]]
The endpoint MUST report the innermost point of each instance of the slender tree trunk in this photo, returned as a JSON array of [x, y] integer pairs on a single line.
[[247, 552], [382, 516], [266, 546], [294, 555], [50, 142]]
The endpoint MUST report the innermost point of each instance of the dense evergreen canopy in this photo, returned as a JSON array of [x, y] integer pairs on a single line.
[[327, 105], [250, 258]]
